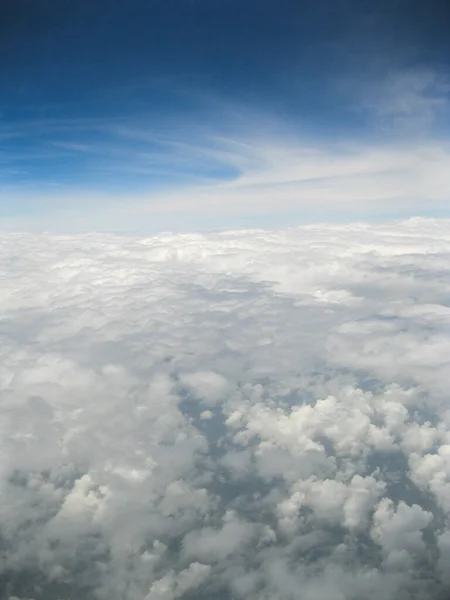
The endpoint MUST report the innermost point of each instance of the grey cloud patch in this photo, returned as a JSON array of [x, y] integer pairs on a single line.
[[242, 415]]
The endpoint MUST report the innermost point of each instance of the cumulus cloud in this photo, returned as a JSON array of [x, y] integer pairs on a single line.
[[239, 415]]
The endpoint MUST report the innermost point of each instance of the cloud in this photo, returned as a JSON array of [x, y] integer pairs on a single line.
[[208, 386], [272, 180], [405, 100], [242, 414], [240, 166]]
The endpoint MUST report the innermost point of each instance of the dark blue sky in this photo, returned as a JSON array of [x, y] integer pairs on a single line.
[[65, 51], [73, 73]]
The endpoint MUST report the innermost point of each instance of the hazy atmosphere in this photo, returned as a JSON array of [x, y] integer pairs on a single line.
[[224, 300]]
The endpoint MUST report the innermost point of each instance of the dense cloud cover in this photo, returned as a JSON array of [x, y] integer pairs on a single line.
[[249, 415]]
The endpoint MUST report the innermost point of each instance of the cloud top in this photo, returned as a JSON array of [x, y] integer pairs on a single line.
[[241, 415]]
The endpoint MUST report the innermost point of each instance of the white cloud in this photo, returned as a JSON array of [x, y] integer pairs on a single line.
[[399, 532], [210, 387], [173, 585], [408, 99], [242, 414], [214, 545], [250, 168], [277, 176]]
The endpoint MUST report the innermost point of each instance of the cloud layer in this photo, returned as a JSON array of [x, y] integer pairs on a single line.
[[227, 164], [240, 415]]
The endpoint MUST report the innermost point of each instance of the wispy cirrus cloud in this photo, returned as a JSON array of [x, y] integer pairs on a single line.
[[233, 163], [405, 101]]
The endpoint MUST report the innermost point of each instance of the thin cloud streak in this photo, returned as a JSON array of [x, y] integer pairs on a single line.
[[272, 178], [232, 162]]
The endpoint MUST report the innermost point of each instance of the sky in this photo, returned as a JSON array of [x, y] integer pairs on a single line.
[[199, 115], [224, 300]]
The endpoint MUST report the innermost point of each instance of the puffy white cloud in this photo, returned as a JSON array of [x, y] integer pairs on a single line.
[[215, 545], [399, 531], [173, 585], [208, 386], [244, 414]]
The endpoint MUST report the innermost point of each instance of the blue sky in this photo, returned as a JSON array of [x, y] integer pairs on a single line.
[[197, 114]]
